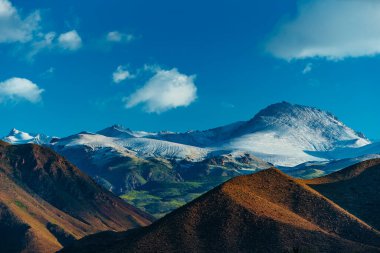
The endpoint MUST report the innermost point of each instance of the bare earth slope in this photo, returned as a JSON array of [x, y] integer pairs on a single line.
[[45, 202], [264, 212]]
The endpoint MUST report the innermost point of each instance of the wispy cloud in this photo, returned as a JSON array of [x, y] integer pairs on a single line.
[[28, 35], [166, 90], [331, 29], [13, 27], [48, 73], [120, 74], [41, 42], [116, 36], [70, 40], [16, 89], [308, 68]]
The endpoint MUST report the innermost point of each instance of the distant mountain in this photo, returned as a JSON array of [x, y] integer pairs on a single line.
[[120, 131], [264, 212], [282, 134], [46, 202], [18, 137]]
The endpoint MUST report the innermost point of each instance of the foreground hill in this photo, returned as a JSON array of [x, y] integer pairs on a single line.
[[45, 202], [264, 212], [356, 189]]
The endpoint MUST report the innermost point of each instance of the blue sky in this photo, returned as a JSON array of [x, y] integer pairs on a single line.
[[68, 66]]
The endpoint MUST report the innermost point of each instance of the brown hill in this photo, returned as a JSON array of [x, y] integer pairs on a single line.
[[356, 189], [45, 202], [263, 212]]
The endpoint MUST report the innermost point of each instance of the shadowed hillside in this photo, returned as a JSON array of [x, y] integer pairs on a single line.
[[356, 189]]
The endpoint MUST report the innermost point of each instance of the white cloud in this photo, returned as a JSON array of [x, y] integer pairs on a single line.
[[308, 68], [13, 28], [6, 9], [167, 89], [15, 89], [116, 36], [70, 40], [332, 29], [17, 28], [121, 74]]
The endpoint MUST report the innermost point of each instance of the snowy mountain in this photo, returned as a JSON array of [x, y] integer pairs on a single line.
[[287, 134], [283, 134], [18, 137], [120, 131], [123, 143]]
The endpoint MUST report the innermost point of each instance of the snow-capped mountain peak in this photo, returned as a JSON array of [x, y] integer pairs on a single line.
[[19, 137], [286, 134], [116, 131], [120, 131], [319, 128]]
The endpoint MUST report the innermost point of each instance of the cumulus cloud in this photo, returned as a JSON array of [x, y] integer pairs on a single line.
[[14, 28], [167, 89], [116, 36], [121, 74], [15, 89], [331, 29], [70, 40]]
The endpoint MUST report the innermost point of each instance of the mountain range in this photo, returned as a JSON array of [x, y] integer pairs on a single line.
[[283, 134], [264, 212], [161, 171]]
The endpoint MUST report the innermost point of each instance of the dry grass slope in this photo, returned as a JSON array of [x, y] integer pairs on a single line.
[[45, 202]]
